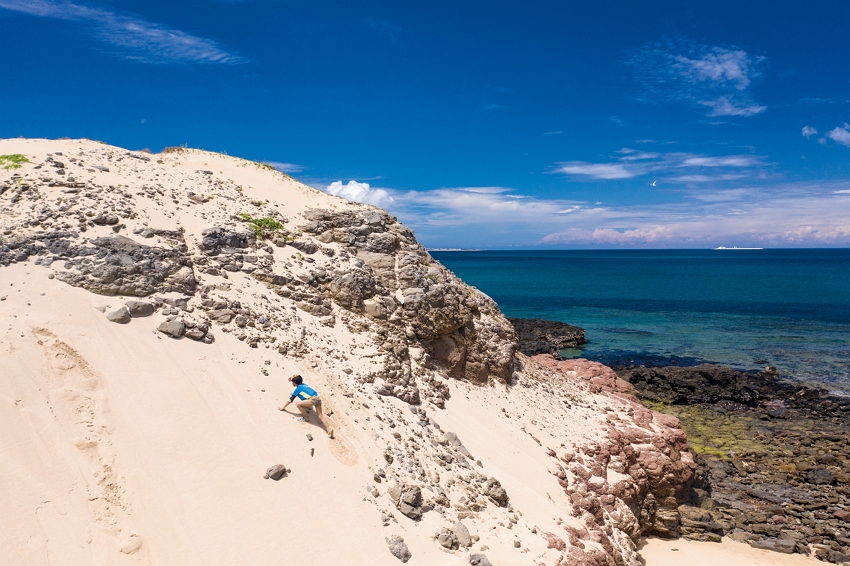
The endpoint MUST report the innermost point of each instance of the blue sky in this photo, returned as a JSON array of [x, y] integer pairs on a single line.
[[480, 124]]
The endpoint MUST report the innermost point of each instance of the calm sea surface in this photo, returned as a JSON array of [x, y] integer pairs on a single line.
[[786, 308]]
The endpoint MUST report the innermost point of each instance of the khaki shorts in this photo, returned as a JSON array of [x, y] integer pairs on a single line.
[[315, 401]]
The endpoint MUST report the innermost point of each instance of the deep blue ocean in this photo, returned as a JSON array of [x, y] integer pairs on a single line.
[[744, 308]]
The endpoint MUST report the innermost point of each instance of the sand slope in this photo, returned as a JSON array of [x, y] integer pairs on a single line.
[[121, 445]]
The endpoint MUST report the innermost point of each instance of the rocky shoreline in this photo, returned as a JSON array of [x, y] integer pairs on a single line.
[[773, 458], [774, 462], [538, 336]]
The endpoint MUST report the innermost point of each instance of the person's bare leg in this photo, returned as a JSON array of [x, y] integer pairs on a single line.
[[323, 421], [302, 406]]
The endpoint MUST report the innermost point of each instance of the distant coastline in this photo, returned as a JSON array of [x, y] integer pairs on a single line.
[[453, 249], [735, 248]]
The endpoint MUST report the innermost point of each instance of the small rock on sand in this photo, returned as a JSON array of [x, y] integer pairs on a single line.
[[276, 472], [479, 560], [398, 548], [121, 316], [447, 539]]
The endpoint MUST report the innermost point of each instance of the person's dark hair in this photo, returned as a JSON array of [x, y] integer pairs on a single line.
[[297, 380]]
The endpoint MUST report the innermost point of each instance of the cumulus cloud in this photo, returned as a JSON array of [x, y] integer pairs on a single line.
[[809, 132], [360, 192], [840, 135], [681, 71], [136, 38]]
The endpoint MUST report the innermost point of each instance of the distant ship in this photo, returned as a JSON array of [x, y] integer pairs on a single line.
[[735, 248]]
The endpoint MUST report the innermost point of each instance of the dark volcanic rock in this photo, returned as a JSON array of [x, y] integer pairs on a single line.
[[121, 316], [772, 456], [538, 336], [706, 383], [117, 265]]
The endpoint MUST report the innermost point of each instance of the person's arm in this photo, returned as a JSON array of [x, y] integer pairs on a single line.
[[291, 399]]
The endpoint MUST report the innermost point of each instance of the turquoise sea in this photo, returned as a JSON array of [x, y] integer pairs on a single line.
[[788, 308]]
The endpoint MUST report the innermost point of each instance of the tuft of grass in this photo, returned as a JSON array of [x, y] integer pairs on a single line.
[[263, 227], [176, 149], [13, 161]]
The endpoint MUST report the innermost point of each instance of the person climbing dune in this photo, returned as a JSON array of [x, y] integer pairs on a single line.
[[307, 397]]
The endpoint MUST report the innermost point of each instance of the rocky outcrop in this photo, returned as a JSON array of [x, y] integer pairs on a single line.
[[409, 299], [635, 477], [773, 465], [538, 336], [109, 265]]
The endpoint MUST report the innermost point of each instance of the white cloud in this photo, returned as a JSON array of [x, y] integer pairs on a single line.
[[800, 214], [688, 167], [596, 170], [705, 178], [136, 38], [701, 216], [809, 132], [723, 106], [719, 65], [286, 167], [681, 71], [360, 192], [840, 135], [721, 161]]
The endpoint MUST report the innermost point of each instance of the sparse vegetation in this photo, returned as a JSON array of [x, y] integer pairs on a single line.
[[264, 165], [176, 149], [264, 227], [13, 161]]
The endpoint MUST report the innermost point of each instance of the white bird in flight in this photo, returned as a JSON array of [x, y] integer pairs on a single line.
[[653, 183]]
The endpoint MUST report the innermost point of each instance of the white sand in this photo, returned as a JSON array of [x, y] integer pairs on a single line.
[[659, 552]]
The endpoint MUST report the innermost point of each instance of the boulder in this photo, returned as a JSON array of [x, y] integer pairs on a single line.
[[820, 476], [173, 328], [398, 548], [447, 539], [479, 560], [222, 316], [462, 534], [538, 336], [453, 439], [121, 316], [408, 500], [195, 334], [306, 246], [139, 309]]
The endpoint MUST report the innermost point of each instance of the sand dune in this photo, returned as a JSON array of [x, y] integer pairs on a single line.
[[124, 445]]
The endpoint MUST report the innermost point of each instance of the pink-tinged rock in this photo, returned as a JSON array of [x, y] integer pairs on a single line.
[[554, 541], [666, 420]]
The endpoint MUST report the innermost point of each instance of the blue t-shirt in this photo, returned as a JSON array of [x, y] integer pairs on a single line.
[[303, 392]]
